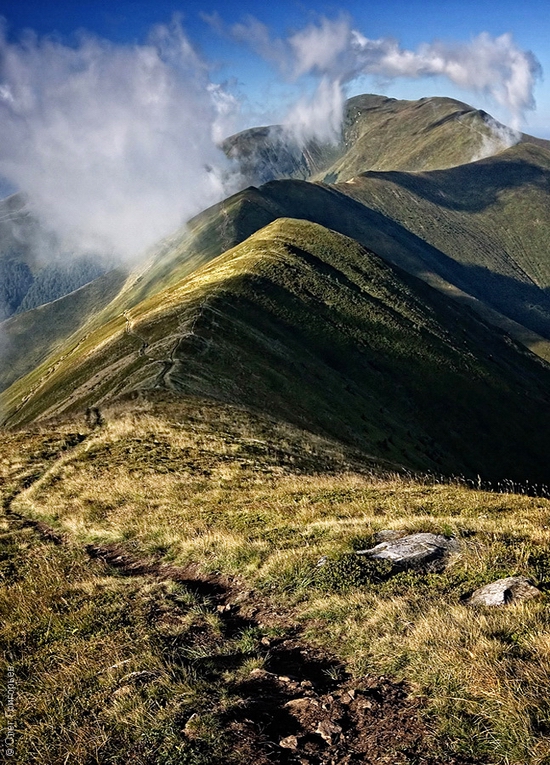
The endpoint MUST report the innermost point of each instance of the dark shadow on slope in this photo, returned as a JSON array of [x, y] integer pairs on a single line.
[[521, 301], [470, 188]]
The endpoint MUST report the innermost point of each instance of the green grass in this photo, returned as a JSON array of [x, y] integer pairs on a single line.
[[489, 219], [192, 482], [109, 668], [304, 323], [495, 252]]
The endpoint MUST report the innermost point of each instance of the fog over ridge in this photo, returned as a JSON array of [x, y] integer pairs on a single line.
[[115, 145]]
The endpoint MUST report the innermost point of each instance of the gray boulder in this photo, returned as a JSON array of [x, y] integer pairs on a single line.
[[504, 591], [421, 550]]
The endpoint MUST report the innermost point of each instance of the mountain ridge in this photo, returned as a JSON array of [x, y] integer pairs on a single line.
[[307, 323]]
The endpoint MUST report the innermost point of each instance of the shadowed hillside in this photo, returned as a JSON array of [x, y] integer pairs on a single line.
[[479, 233], [201, 458], [307, 325], [490, 218]]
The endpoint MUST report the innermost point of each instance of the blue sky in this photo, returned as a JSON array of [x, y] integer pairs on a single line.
[[411, 22]]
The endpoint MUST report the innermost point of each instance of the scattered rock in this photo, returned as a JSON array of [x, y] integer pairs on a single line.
[[290, 742], [421, 550], [328, 729], [504, 591], [301, 704]]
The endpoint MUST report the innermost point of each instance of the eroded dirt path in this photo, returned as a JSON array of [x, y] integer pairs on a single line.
[[302, 707]]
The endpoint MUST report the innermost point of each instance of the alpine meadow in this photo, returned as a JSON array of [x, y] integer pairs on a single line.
[[275, 490]]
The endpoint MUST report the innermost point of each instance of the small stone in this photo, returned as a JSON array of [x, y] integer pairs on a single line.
[[290, 742], [327, 730], [347, 696], [298, 705], [504, 592], [260, 674]]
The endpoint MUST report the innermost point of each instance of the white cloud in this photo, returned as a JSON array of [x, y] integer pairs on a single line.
[[336, 53], [115, 145], [318, 116]]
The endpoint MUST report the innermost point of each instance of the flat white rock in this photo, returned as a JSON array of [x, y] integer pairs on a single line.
[[413, 550]]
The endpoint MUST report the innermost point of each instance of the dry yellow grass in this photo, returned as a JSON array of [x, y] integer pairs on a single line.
[[183, 491]]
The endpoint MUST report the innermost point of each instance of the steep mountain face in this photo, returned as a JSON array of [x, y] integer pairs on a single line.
[[306, 324], [489, 220], [27, 339], [246, 306], [269, 153], [430, 134], [479, 232]]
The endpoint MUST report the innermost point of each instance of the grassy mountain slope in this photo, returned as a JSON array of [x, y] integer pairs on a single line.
[[488, 252], [306, 324], [163, 601], [432, 133], [27, 339], [490, 218], [477, 232], [378, 133]]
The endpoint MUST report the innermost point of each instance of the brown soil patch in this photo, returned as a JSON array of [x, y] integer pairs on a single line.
[[303, 708]]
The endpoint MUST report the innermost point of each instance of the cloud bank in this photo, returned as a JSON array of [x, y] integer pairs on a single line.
[[335, 54], [114, 145]]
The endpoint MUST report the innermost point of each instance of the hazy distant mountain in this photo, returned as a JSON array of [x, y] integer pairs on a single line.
[[34, 268]]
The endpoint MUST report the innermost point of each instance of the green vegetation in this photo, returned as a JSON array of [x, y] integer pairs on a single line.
[[306, 324], [380, 134], [478, 232], [267, 153], [205, 443], [112, 667], [430, 134], [488, 222]]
